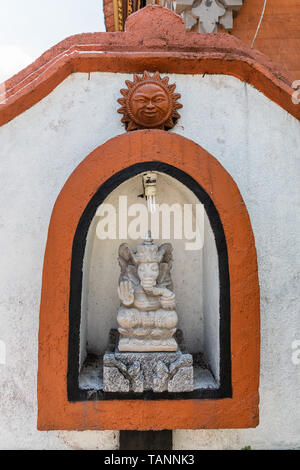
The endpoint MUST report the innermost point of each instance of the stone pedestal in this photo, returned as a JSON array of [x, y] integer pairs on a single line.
[[141, 371], [147, 344]]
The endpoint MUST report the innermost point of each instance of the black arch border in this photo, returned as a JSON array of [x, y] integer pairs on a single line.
[[73, 391]]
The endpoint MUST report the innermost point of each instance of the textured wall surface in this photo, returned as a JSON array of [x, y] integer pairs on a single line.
[[278, 37], [258, 144], [279, 34]]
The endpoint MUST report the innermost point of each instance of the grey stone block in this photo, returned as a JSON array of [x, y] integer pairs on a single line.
[[141, 371], [181, 380], [114, 380], [160, 377]]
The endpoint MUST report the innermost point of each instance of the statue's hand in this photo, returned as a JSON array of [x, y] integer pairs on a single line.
[[168, 300], [126, 292]]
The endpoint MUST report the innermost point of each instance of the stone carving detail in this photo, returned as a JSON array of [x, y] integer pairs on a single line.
[[142, 371], [149, 103], [147, 317], [143, 354], [207, 14]]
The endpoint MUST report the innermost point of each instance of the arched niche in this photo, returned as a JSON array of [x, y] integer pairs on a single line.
[[200, 278], [62, 404]]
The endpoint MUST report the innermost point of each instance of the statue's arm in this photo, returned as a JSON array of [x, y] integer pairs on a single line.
[[128, 273], [126, 293], [167, 297]]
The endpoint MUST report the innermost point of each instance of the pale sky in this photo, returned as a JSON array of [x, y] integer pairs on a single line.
[[30, 27]]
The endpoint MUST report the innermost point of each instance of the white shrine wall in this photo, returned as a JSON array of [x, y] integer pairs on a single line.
[[258, 144]]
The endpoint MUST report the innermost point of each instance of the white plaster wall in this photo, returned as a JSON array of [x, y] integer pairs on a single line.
[[211, 300], [254, 139]]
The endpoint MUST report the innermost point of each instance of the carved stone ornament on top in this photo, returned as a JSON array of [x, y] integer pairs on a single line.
[[147, 317], [149, 103], [206, 14]]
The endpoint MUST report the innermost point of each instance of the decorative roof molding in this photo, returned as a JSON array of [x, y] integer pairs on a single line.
[[154, 39], [206, 14]]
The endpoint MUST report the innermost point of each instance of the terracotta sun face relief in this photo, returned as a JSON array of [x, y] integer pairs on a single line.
[[149, 103]]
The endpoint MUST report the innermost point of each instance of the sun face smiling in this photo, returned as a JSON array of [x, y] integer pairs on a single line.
[[149, 103]]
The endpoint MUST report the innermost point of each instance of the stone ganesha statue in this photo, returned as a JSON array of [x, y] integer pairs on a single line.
[[147, 318]]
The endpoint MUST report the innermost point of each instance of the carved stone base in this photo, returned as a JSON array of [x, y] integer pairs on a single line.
[[147, 345], [141, 371]]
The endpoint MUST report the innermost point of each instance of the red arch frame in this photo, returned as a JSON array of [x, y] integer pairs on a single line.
[[240, 411]]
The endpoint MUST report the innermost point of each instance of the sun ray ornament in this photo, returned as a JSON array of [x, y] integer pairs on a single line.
[[149, 103]]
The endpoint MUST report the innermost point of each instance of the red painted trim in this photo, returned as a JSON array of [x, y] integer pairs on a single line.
[[155, 39], [240, 411]]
